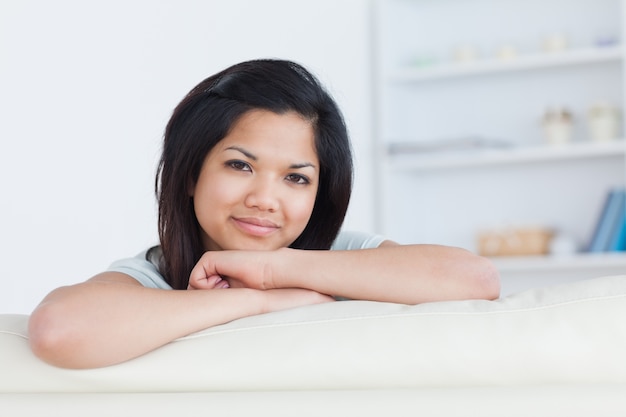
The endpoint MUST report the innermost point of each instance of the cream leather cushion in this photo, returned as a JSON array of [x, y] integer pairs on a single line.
[[569, 334]]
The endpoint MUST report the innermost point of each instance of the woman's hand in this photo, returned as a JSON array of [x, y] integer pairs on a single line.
[[208, 283], [236, 269], [249, 269]]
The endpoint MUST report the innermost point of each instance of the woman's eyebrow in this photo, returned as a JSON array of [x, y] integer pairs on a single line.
[[302, 165], [254, 158], [243, 151]]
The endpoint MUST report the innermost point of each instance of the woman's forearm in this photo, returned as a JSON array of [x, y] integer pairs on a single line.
[[408, 274], [100, 323]]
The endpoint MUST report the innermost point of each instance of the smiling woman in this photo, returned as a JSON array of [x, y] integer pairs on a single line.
[[257, 187], [267, 108], [253, 186]]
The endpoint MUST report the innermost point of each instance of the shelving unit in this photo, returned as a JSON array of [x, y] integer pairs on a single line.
[[448, 196], [545, 264], [535, 61], [518, 155], [523, 273]]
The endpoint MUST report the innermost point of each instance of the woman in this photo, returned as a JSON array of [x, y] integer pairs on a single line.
[[253, 186]]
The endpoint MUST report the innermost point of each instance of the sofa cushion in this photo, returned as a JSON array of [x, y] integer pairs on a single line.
[[566, 334]]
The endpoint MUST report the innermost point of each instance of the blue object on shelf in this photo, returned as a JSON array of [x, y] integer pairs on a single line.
[[608, 228]]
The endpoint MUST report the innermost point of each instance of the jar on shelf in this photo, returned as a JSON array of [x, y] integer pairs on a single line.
[[557, 126], [603, 119], [555, 42], [506, 52], [465, 53]]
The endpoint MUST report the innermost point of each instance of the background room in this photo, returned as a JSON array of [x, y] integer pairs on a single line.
[[468, 119], [502, 123]]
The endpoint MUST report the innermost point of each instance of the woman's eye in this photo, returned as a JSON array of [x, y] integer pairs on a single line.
[[298, 179], [239, 165]]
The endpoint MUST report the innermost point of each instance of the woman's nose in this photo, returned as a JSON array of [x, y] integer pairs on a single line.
[[263, 195]]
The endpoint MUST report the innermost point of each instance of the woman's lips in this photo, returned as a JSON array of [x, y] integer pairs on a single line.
[[255, 226]]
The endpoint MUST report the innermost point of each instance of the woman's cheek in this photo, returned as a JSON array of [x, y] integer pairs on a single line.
[[303, 208]]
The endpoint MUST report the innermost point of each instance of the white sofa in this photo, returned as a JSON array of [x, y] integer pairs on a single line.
[[555, 351]]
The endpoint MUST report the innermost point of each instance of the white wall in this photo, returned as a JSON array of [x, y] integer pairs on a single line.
[[85, 91]]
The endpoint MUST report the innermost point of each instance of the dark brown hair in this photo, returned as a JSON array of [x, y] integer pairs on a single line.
[[205, 116]]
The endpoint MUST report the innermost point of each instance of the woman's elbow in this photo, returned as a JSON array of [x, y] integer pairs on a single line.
[[49, 335], [487, 279]]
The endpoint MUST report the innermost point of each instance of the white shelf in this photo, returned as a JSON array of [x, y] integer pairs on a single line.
[[522, 181], [494, 157], [520, 63], [586, 261]]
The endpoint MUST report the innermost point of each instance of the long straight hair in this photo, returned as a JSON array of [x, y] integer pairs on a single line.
[[207, 114]]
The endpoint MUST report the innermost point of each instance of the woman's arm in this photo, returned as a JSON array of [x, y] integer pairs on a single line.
[[407, 274], [112, 318]]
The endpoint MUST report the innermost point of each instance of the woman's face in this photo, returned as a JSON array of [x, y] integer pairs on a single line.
[[257, 186]]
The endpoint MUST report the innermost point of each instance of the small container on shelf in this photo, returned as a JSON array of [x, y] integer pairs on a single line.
[[603, 119], [606, 40], [506, 52], [555, 42], [563, 244], [423, 60], [557, 126], [465, 53]]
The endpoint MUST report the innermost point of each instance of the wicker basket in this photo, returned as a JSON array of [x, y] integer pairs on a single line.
[[515, 242]]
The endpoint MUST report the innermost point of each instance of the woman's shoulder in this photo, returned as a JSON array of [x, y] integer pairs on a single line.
[[350, 240], [143, 267]]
